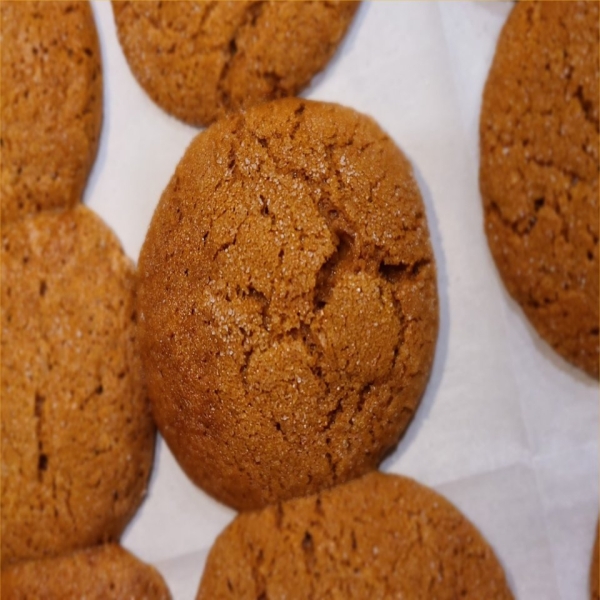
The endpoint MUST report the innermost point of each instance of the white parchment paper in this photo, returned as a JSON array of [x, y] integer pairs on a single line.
[[507, 430]]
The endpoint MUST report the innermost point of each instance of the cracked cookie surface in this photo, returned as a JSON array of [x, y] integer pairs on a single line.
[[200, 60], [77, 436], [381, 536], [539, 171], [98, 573], [288, 304], [51, 105]]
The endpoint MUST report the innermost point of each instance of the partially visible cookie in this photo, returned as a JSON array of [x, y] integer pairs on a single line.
[[288, 302], [100, 573], [381, 536], [199, 60], [595, 570], [77, 435], [539, 171], [51, 104]]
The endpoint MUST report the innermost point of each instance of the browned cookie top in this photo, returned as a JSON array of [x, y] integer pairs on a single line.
[[99, 573], [288, 302], [51, 104], [539, 170], [199, 60], [381, 536], [77, 437]]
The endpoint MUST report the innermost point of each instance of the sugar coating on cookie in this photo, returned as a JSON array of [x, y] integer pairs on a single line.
[[200, 60], [51, 104], [98, 573], [539, 171], [77, 435], [288, 304], [381, 536]]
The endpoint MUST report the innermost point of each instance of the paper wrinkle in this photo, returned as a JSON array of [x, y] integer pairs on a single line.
[[506, 430]]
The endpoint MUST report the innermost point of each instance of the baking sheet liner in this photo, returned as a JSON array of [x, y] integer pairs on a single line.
[[507, 430]]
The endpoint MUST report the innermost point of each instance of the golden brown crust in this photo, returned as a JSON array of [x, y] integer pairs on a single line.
[[98, 573], [77, 436], [595, 569], [199, 60], [51, 104], [381, 536], [539, 171], [288, 305]]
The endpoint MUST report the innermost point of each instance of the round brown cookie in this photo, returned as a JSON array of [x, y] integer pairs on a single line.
[[381, 536], [77, 436], [200, 60], [595, 570], [539, 171], [288, 305], [51, 104], [98, 573]]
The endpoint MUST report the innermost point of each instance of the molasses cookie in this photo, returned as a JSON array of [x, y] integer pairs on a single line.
[[381, 536], [99, 573], [539, 171], [77, 436], [200, 60], [288, 304], [51, 104]]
